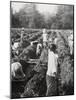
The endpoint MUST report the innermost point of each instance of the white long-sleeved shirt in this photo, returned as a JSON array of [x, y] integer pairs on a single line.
[[70, 37], [52, 63], [44, 37], [70, 41]]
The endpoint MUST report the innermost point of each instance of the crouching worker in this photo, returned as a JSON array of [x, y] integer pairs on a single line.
[[38, 49], [51, 79], [16, 71]]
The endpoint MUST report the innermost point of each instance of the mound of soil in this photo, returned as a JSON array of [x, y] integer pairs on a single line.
[[35, 87]]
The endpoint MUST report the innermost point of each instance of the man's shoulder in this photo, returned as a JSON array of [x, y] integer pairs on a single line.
[[56, 55], [16, 64]]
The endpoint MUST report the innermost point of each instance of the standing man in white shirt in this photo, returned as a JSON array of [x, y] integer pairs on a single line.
[[21, 38], [51, 80], [44, 36], [70, 41]]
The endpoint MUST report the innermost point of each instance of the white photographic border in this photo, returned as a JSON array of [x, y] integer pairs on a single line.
[[5, 49]]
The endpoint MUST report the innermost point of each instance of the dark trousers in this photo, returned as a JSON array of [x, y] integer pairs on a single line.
[[51, 86]]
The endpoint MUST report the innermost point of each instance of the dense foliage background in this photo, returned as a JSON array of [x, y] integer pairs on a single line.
[[30, 17]]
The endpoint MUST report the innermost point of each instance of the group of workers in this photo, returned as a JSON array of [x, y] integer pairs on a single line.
[[50, 43]]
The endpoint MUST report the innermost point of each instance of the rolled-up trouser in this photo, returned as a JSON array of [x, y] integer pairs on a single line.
[[51, 82]]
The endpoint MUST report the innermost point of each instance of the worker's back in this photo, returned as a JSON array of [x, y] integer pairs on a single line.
[[16, 70], [52, 63], [38, 49]]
